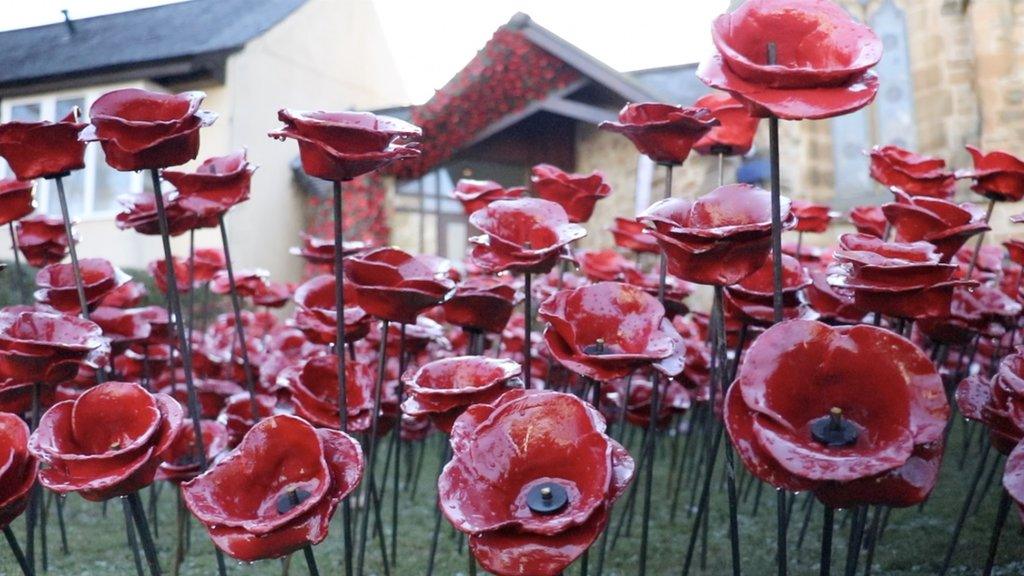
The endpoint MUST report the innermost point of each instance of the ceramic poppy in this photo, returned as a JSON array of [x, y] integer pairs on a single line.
[[673, 399], [576, 193], [673, 293], [58, 290], [834, 305], [107, 443], [997, 402], [811, 217], [140, 214], [527, 235], [18, 468], [128, 295], [444, 388], [392, 284], [607, 330], [143, 130], [320, 251], [212, 393], [869, 219], [42, 240], [314, 392], [477, 194], [43, 149], [734, 135], [720, 238], [942, 223], [913, 174], [180, 462], [339, 146], [123, 327], [46, 346], [632, 235], [752, 299], [822, 59], [800, 417], [997, 175], [482, 303], [247, 282], [316, 313], [16, 200], [1013, 477], [663, 132], [605, 265], [276, 492], [216, 185], [158, 272], [531, 481], [273, 294], [237, 414]]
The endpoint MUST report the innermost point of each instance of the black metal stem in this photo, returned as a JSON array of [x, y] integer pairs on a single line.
[[828, 520], [856, 540], [445, 454], [79, 287], [19, 556], [527, 329], [339, 351], [396, 437], [997, 530], [981, 240], [148, 547], [964, 509], [19, 280], [236, 307], [133, 543], [720, 349], [371, 450]]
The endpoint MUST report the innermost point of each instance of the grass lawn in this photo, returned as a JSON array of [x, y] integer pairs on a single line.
[[913, 543]]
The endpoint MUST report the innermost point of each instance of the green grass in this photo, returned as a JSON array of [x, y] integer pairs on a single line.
[[914, 542]]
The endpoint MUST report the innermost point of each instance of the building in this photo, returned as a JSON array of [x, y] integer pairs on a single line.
[[250, 57]]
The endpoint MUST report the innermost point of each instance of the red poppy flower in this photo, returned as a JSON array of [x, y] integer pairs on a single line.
[[914, 174], [673, 294], [43, 149], [734, 135], [340, 146], [213, 393], [720, 238], [482, 303], [868, 219], [123, 327], [45, 346], [811, 217], [276, 492], [158, 272], [837, 411], [997, 175], [632, 235], [576, 193], [140, 214], [997, 402], [320, 251], [248, 283], [1013, 477], [237, 414], [179, 462], [443, 389], [834, 305], [531, 481], [674, 399], [18, 468], [216, 185], [607, 330], [988, 264], [663, 132], [314, 392], [42, 240], [526, 235], [273, 294], [939, 222], [753, 297], [57, 287], [127, 295], [605, 265], [16, 200], [823, 56], [392, 284], [317, 316], [477, 194], [143, 130], [108, 442], [208, 261]]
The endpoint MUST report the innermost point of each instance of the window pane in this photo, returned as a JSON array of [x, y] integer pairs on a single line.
[[74, 189], [64, 106], [109, 185], [25, 112]]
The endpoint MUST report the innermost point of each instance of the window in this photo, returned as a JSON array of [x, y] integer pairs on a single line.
[[91, 192]]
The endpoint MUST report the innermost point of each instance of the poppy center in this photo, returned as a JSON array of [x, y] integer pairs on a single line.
[[547, 498], [833, 430], [291, 499], [595, 349]]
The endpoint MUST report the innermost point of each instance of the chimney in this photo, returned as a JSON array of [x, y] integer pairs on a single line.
[[68, 22]]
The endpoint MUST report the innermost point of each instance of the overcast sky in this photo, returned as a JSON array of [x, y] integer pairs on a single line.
[[432, 39]]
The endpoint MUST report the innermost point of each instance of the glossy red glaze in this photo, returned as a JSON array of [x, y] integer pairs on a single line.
[[216, 185], [576, 193], [939, 222], [127, 295], [43, 149], [248, 283], [392, 284], [734, 135], [314, 392], [811, 217], [58, 290], [632, 235], [444, 388], [42, 240], [18, 468], [477, 194], [663, 132], [997, 175], [913, 174], [317, 316], [482, 303], [179, 462], [320, 251], [45, 346], [868, 219], [16, 200], [526, 235]]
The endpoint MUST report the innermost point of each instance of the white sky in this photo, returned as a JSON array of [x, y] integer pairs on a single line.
[[432, 39]]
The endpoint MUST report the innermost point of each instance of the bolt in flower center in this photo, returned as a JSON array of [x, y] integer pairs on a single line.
[[834, 431], [595, 349], [290, 499], [547, 498]]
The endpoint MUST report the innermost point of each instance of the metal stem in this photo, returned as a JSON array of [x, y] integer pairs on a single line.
[[828, 519], [236, 307], [19, 272], [339, 351], [148, 547], [527, 330], [12, 541], [371, 451], [981, 240], [997, 530]]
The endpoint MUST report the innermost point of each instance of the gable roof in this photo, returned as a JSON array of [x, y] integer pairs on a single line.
[[168, 41]]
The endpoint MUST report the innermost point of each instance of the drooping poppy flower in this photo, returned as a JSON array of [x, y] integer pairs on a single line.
[[316, 313], [444, 388], [576, 193], [913, 174], [392, 284], [16, 200], [247, 282], [939, 222], [821, 66], [237, 414], [605, 265], [58, 290], [734, 135], [632, 235], [997, 402], [18, 468], [998, 175], [868, 219], [477, 194], [314, 392], [42, 240], [320, 251], [216, 185], [811, 217], [720, 238], [107, 443], [180, 462], [127, 295], [339, 146], [527, 235], [854, 414], [276, 492], [482, 303], [143, 130], [43, 149], [531, 481], [752, 298], [606, 330], [46, 346], [140, 214], [663, 132]]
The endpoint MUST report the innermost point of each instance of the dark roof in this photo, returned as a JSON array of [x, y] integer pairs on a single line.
[[169, 41], [675, 84]]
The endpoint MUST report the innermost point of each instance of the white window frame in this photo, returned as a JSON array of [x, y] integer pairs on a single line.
[[47, 102]]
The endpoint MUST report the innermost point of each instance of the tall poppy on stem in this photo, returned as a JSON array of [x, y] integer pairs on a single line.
[[998, 176], [16, 202]]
